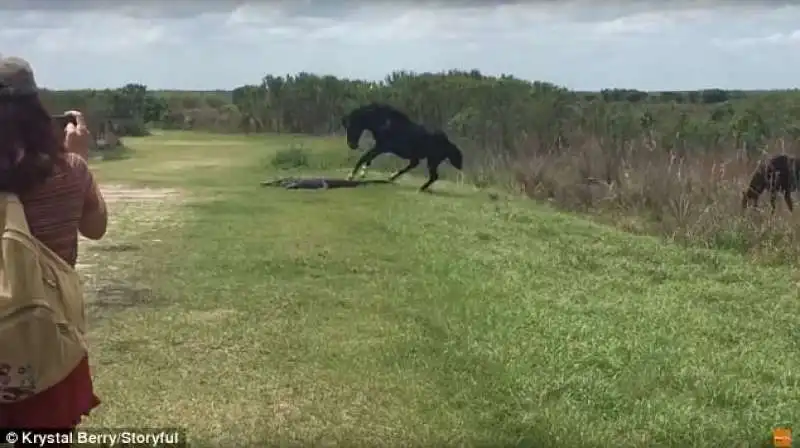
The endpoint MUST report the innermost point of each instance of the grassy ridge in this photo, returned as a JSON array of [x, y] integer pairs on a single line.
[[384, 317]]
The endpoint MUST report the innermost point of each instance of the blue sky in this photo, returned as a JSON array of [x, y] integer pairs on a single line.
[[586, 45]]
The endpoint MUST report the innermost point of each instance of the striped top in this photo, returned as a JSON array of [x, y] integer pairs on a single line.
[[54, 208]]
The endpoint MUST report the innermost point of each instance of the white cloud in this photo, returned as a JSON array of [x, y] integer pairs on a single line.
[[647, 23], [577, 43], [386, 23], [741, 43], [654, 22], [249, 14], [91, 32], [18, 33]]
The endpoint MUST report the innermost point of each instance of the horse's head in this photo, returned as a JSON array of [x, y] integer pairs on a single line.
[[377, 118], [759, 181], [354, 124], [748, 198]]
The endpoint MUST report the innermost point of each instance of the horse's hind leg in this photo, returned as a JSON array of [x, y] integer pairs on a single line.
[[411, 165], [787, 196], [433, 174], [773, 199]]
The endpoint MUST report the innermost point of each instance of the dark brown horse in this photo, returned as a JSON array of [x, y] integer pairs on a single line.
[[777, 175], [395, 133]]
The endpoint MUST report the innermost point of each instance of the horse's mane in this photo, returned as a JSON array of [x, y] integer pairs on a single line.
[[388, 110]]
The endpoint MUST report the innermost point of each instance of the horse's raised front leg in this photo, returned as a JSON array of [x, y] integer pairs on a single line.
[[411, 165], [433, 174], [364, 162]]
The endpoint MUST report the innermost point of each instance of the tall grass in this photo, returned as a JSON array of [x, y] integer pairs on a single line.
[[692, 198]]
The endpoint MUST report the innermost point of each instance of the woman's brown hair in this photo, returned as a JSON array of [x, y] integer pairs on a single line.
[[30, 148]]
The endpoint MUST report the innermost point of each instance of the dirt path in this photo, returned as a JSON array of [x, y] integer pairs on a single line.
[[207, 142], [109, 266]]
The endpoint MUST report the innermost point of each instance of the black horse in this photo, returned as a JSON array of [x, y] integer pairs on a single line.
[[779, 174], [395, 133]]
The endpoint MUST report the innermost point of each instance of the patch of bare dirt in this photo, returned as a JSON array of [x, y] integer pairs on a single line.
[[210, 315], [209, 142], [120, 193], [176, 165], [109, 266]]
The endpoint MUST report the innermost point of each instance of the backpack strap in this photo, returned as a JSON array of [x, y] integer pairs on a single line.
[[13, 213]]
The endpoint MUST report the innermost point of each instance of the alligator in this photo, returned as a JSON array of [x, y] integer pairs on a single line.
[[293, 183]]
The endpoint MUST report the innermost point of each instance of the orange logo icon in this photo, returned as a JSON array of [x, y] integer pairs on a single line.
[[782, 438]]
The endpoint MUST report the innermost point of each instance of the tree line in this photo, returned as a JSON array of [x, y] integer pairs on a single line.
[[492, 113]]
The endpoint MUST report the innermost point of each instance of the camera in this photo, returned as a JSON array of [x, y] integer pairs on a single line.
[[64, 119]]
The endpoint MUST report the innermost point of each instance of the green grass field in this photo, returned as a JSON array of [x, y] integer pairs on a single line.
[[384, 317]]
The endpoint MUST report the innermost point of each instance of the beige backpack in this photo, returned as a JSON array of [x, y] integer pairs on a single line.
[[42, 314]]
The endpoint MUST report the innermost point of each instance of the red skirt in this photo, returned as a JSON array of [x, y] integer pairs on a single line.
[[59, 407]]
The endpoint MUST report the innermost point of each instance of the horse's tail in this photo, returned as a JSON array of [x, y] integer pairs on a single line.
[[758, 183], [456, 158], [452, 152]]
